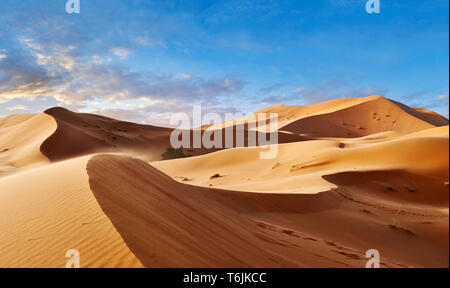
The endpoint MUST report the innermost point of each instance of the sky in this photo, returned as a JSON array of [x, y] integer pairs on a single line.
[[142, 61]]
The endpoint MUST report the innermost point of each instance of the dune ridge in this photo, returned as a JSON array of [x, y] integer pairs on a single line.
[[307, 163], [348, 117], [169, 224], [377, 115], [345, 180], [80, 134]]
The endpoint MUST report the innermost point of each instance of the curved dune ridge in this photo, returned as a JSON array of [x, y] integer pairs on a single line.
[[81, 134], [376, 115], [91, 183], [167, 224], [349, 117], [300, 167], [124, 213]]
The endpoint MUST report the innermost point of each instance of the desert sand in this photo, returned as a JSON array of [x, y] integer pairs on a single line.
[[20, 141], [350, 175]]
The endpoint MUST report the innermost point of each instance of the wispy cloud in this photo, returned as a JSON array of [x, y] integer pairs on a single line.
[[156, 57], [91, 82], [442, 97], [148, 42], [17, 107], [121, 52]]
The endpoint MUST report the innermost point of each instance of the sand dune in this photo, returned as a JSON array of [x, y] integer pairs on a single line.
[[432, 116], [78, 134], [350, 175], [300, 167], [124, 213], [288, 114], [81, 134], [20, 139], [44, 213], [376, 115], [349, 117], [167, 224]]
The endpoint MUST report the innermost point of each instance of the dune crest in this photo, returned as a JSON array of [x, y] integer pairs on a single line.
[[349, 175], [376, 115], [80, 134], [300, 167], [348, 117], [170, 224]]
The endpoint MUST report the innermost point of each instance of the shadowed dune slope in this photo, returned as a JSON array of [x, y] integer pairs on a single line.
[[300, 167], [347, 117], [432, 117], [376, 115], [124, 213], [354, 174], [290, 113], [169, 224], [80, 134]]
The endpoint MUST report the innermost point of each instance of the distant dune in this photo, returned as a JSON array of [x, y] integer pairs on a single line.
[[80, 134], [350, 175], [350, 117], [300, 167]]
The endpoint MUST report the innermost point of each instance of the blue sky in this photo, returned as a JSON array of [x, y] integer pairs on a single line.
[[142, 60]]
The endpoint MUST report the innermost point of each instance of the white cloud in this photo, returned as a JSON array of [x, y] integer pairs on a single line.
[[84, 80], [17, 107], [183, 77], [121, 52], [54, 55], [442, 97], [99, 60], [146, 41]]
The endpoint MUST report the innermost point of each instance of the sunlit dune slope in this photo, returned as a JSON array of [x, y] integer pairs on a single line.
[[376, 115], [21, 136], [48, 210], [290, 113], [350, 175], [169, 224], [79, 134], [125, 213], [349, 117], [421, 158]]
